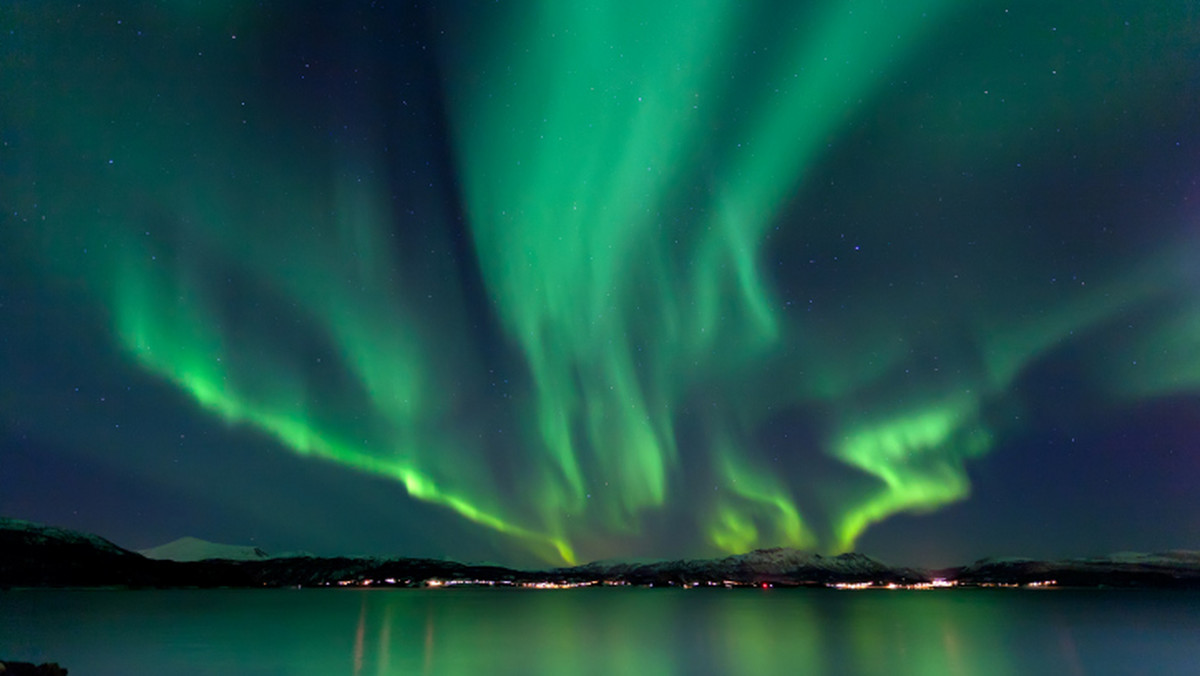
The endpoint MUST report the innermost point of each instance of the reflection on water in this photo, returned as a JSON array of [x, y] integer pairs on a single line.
[[603, 631]]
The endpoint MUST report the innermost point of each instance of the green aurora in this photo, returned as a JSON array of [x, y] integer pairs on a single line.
[[684, 224]]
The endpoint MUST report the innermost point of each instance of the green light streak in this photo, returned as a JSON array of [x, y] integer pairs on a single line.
[[568, 157], [752, 498], [571, 148], [919, 460], [1163, 361], [832, 66], [165, 325]]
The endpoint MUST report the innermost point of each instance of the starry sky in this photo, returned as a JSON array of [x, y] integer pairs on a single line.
[[547, 282]]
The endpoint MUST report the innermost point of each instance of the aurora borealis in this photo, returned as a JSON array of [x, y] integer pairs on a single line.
[[567, 281]]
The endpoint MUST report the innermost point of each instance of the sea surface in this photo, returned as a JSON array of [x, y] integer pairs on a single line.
[[604, 631]]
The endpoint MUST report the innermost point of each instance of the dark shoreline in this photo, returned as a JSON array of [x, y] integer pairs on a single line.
[[35, 556]]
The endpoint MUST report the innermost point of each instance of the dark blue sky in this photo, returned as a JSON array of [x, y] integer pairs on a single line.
[[662, 279]]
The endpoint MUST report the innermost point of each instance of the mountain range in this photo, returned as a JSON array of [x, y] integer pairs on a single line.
[[33, 555]]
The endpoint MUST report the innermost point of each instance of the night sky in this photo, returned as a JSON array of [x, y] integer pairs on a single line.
[[535, 282]]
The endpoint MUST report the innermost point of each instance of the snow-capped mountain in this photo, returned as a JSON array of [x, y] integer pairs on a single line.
[[195, 549]]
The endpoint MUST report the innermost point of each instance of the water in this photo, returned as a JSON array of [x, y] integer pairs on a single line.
[[604, 631]]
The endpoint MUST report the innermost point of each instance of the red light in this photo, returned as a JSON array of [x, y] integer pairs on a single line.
[[764, 585]]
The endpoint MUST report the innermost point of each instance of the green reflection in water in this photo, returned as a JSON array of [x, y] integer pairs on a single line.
[[604, 631]]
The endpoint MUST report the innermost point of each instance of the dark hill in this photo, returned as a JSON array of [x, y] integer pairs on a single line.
[[32, 555]]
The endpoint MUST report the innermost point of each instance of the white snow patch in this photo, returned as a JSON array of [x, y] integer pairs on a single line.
[[195, 549]]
